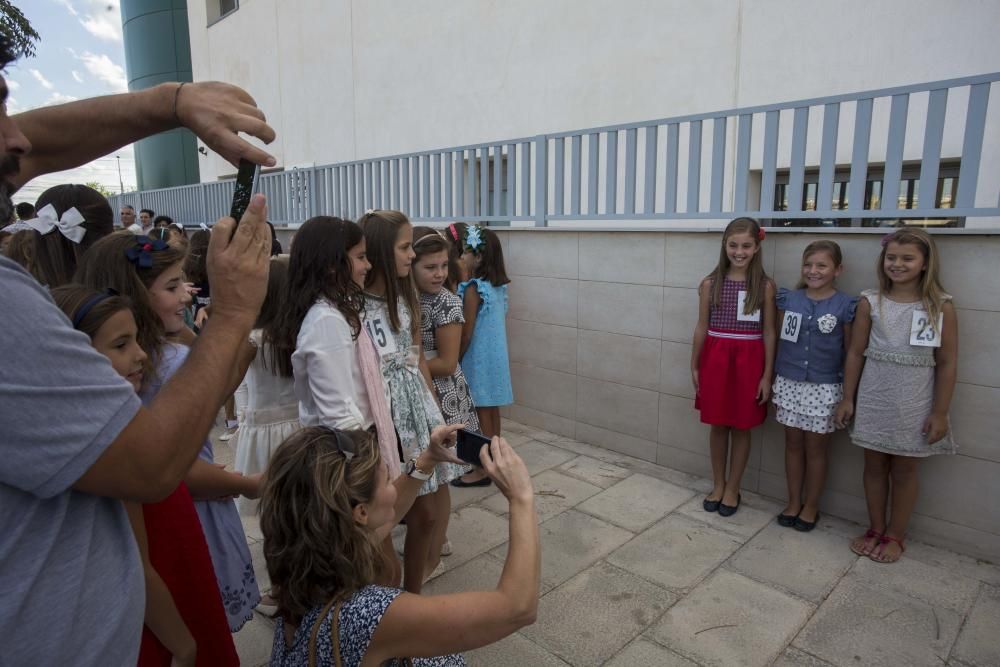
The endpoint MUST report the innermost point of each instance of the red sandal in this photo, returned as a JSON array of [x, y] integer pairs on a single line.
[[884, 540], [869, 534]]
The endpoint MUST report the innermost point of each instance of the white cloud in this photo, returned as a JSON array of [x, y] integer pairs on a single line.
[[103, 68], [45, 83], [101, 18], [59, 98], [76, 76], [12, 85]]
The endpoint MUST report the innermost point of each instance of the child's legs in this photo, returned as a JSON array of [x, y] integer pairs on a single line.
[[903, 472], [230, 410], [419, 528], [795, 462], [738, 458], [817, 446], [441, 500], [718, 440], [876, 488]]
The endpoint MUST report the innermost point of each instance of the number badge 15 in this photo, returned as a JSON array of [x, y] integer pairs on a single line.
[[921, 331]]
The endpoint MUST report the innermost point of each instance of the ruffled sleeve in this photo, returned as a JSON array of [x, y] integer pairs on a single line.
[[782, 298], [485, 292], [850, 307]]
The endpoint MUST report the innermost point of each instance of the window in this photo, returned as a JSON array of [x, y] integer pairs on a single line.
[[908, 198], [219, 9]]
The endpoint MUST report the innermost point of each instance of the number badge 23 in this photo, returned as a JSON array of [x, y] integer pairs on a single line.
[[922, 334]]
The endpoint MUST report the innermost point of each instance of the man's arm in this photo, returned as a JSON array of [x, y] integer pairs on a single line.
[[64, 136]]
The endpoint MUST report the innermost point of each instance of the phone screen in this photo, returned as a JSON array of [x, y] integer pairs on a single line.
[[246, 183], [468, 445]]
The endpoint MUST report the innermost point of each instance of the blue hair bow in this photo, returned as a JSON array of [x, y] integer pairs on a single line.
[[140, 253]]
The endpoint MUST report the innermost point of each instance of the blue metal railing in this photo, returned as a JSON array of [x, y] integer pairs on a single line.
[[654, 170]]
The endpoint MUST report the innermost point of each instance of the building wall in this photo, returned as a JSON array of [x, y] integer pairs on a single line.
[[600, 328], [343, 79]]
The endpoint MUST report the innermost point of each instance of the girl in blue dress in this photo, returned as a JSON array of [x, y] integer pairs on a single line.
[[483, 351]]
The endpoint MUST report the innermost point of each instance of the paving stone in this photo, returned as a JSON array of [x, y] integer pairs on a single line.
[[936, 586], [731, 620], [644, 652], [979, 644], [260, 566], [747, 522], [637, 502], [793, 657], [479, 574], [512, 650], [594, 471], [517, 439], [554, 493], [540, 456], [677, 552], [572, 542], [473, 531], [859, 625], [806, 564], [610, 608], [466, 495], [254, 641], [251, 528], [974, 568]]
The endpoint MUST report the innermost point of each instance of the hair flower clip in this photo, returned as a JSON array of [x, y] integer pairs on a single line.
[[69, 224], [369, 211], [204, 226], [761, 234], [887, 238], [474, 238], [141, 253]]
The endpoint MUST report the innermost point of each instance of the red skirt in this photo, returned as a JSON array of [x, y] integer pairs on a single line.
[[179, 554], [729, 374]]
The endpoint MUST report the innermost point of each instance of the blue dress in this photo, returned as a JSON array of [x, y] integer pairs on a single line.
[[485, 363]]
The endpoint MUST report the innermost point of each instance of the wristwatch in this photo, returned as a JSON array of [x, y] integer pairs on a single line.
[[413, 471]]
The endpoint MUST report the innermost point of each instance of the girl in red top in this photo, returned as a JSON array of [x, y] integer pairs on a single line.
[[732, 358]]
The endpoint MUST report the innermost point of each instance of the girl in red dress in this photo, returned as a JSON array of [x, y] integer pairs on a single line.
[[733, 356]]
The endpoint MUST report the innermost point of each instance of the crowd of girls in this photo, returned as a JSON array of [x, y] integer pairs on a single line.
[[882, 365]]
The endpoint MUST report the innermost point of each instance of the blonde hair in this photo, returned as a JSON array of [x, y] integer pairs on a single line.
[[823, 245], [756, 276], [932, 295], [315, 551]]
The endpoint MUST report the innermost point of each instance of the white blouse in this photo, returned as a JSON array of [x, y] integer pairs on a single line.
[[328, 381]]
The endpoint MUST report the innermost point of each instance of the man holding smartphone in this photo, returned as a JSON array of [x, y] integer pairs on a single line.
[[76, 440]]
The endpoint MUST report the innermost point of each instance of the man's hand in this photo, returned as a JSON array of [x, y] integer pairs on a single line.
[[217, 112], [238, 264]]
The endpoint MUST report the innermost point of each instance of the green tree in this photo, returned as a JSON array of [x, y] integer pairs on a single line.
[[17, 30], [100, 187]]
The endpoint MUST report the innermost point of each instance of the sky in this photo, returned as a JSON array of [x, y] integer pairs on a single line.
[[80, 54]]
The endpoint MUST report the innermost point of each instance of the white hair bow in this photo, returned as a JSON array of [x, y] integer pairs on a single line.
[[69, 224], [205, 227]]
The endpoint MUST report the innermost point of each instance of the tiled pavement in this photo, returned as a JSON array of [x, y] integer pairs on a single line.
[[634, 572]]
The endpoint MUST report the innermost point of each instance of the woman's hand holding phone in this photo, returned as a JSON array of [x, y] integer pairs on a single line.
[[507, 470]]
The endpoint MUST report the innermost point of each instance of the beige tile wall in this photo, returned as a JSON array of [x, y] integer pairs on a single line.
[[600, 328]]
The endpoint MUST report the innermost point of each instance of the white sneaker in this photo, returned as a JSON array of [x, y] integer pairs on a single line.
[[227, 435]]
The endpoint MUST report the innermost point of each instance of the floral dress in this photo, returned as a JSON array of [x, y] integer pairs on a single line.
[[414, 410]]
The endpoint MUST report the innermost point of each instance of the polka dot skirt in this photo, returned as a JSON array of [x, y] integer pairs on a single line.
[[806, 405]]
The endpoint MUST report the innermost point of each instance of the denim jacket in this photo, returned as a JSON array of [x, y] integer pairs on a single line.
[[818, 353]]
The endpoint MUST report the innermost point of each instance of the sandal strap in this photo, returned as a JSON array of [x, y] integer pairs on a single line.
[[870, 533], [885, 539]]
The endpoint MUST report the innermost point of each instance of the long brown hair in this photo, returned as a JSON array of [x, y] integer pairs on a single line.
[[932, 294], [196, 261], [823, 245], [72, 296], [427, 241], [22, 248], [381, 229], [491, 266], [756, 280], [107, 264], [314, 549], [56, 255]]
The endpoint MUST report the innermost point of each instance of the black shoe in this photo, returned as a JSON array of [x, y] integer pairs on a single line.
[[805, 526], [711, 505], [458, 483], [727, 510], [788, 520]]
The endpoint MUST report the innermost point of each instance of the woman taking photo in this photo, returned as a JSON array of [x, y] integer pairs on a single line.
[[327, 505]]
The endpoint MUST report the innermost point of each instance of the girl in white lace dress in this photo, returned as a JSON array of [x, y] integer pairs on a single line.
[[906, 343]]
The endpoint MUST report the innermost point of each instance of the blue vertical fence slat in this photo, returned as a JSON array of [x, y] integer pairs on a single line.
[[930, 162], [611, 174], [859, 155], [972, 145], [796, 174], [694, 167], [770, 161], [497, 179], [436, 170], [396, 185], [470, 183], [649, 178], [575, 172], [541, 180], [404, 190], [894, 152], [828, 156], [593, 164], [415, 191], [718, 163], [511, 178], [670, 169], [377, 183], [460, 184], [425, 182], [560, 176], [744, 133], [631, 151], [525, 179], [360, 176], [351, 193], [369, 193]]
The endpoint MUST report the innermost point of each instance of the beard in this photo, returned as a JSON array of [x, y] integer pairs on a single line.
[[10, 165]]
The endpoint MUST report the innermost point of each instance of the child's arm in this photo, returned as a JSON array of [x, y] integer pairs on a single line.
[[162, 616], [700, 329], [470, 308], [208, 481], [425, 372], [855, 361], [449, 343], [945, 371], [770, 343]]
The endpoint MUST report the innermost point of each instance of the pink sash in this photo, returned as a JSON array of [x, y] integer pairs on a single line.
[[371, 370]]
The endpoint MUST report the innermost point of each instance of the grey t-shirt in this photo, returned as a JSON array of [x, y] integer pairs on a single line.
[[71, 583]]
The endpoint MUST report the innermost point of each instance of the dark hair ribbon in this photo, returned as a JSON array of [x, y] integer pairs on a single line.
[[89, 304], [141, 253]]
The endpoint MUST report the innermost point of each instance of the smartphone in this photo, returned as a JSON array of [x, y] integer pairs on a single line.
[[246, 185], [469, 444]]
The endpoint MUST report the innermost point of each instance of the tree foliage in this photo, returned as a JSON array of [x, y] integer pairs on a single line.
[[100, 187], [17, 30]]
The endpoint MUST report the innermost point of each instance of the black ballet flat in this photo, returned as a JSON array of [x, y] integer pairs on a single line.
[[711, 505], [805, 526], [788, 520], [729, 510], [458, 483]]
